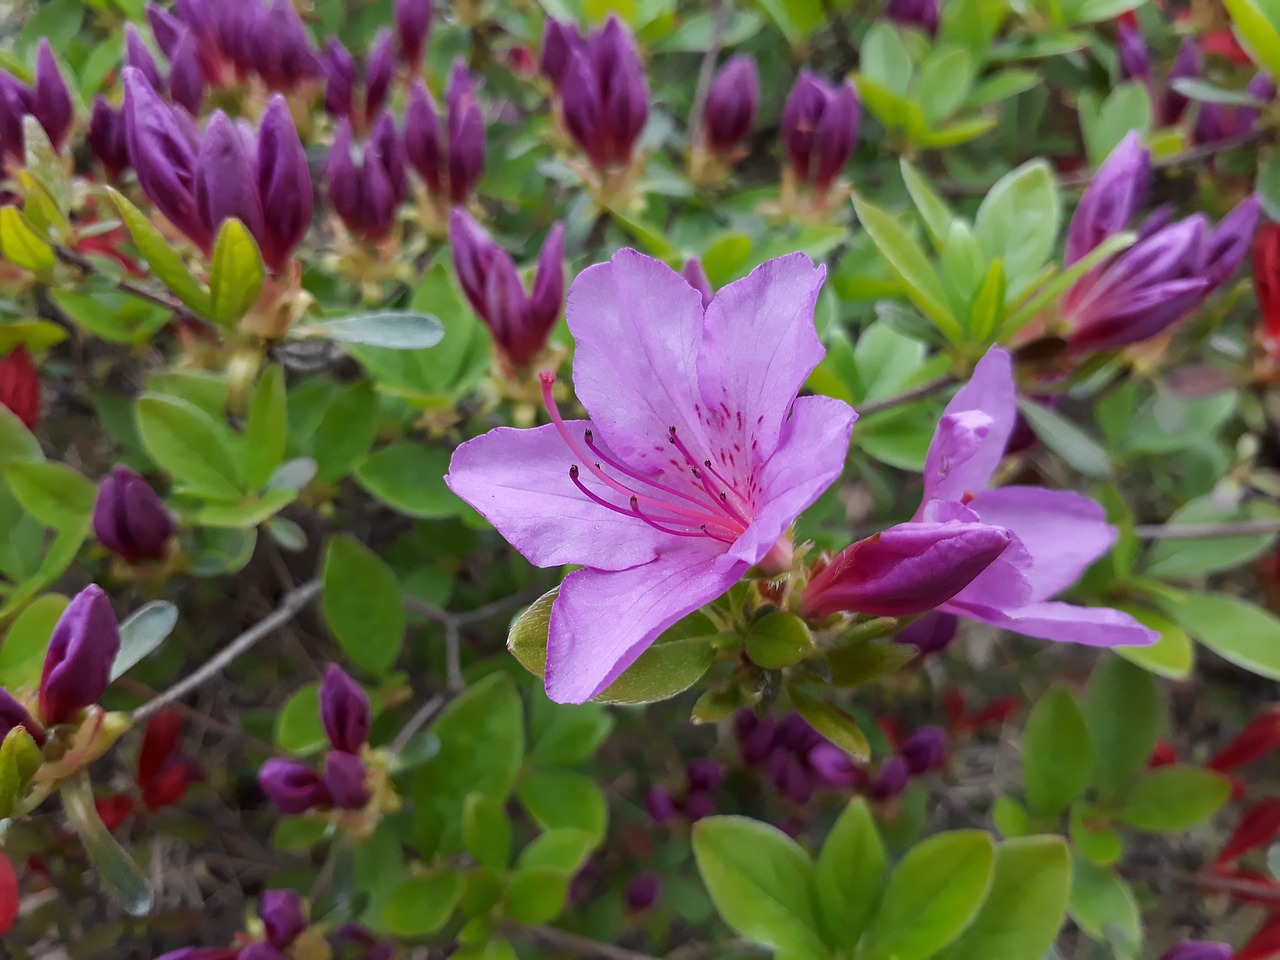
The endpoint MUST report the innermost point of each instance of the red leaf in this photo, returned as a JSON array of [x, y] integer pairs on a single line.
[[20, 386], [1262, 735], [1265, 944], [1258, 826], [9, 898], [158, 743], [113, 809], [1162, 754]]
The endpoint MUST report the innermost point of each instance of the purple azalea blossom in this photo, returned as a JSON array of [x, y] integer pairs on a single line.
[[1057, 534], [697, 457]]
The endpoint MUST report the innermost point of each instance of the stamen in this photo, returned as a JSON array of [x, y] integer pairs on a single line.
[[633, 474], [718, 497], [635, 508]]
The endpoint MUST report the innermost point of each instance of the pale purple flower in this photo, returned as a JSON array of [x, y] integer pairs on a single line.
[[705, 455], [697, 278], [1057, 534]]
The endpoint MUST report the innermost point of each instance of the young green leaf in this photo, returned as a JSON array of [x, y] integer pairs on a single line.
[[1056, 753], [850, 874], [1125, 715], [362, 604], [1173, 798]]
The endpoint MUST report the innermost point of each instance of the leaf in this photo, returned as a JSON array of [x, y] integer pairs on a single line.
[[1125, 715], [16, 442], [1064, 438], [266, 430], [1018, 222], [142, 632], [346, 431], [1258, 31], [1172, 798], [117, 872], [1173, 656], [1056, 753], [486, 830], [422, 905], [409, 477], [1104, 907], [885, 59], [932, 896], [1026, 906], [22, 654], [834, 724], [21, 246], [850, 874], [391, 330], [43, 165], [560, 849], [778, 639], [161, 257], [1174, 559], [933, 210], [571, 734], [298, 727], [189, 444], [762, 883], [537, 894], [944, 82], [53, 493], [236, 273], [564, 800], [362, 604], [1235, 629]]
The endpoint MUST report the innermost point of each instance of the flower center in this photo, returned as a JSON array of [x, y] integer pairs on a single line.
[[716, 510]]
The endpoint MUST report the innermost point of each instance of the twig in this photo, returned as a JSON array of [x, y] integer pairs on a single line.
[[453, 624], [1202, 881], [719, 24], [199, 719], [915, 393], [290, 606], [1205, 531], [421, 717], [85, 265], [572, 943]]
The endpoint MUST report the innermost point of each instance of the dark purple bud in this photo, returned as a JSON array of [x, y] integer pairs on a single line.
[[379, 71], [51, 102], [583, 109], [280, 47], [261, 951], [546, 300], [344, 776], [186, 80], [340, 73], [1245, 118], [623, 93], [660, 804], [422, 141], [13, 714], [77, 666], [413, 26], [129, 519], [107, 137], [1229, 243], [16, 101], [890, 780], [163, 157], [560, 41], [473, 252], [361, 195], [697, 805], [385, 148], [797, 736], [466, 136], [239, 22], [931, 633], [696, 277], [137, 55], [1187, 65], [226, 181], [836, 135], [293, 787], [833, 767], [924, 750], [795, 780], [643, 891], [1113, 196], [1213, 123], [283, 916], [819, 128], [1197, 950], [922, 14], [760, 741], [284, 184], [732, 101], [704, 775], [1135, 64], [165, 27], [344, 710]]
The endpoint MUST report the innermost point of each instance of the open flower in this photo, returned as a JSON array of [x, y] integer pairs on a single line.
[[695, 460]]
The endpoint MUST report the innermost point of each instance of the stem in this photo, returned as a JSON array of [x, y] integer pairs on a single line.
[[421, 717], [1202, 881], [453, 624], [290, 606], [572, 943], [720, 23], [85, 265], [915, 393], [1205, 531]]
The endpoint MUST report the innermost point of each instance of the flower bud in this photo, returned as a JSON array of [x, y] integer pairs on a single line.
[[1266, 284], [560, 41], [379, 71], [261, 951], [1228, 244], [51, 103], [660, 804], [137, 55], [226, 182], [387, 149], [704, 774], [466, 135], [924, 750], [16, 101], [165, 27], [422, 141], [819, 129], [292, 787], [643, 891], [129, 519], [833, 767], [698, 804], [1197, 950], [164, 773], [1187, 65], [931, 633], [1135, 64], [605, 96], [362, 196], [203, 953], [14, 714], [280, 47], [283, 916], [757, 742], [106, 138], [186, 80], [546, 299], [344, 777], [284, 185], [339, 68], [922, 14], [907, 569], [413, 27], [890, 780], [696, 277], [732, 101], [1113, 196], [20, 386], [344, 710], [77, 666]]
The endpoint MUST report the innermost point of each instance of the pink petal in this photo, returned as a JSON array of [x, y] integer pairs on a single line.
[[602, 621], [810, 457], [1064, 532], [758, 348], [1002, 586], [990, 391], [518, 480], [1067, 623]]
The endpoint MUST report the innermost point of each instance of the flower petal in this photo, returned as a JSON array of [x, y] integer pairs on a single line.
[[759, 346], [603, 620], [1064, 532], [809, 458], [1067, 623], [519, 481], [990, 391]]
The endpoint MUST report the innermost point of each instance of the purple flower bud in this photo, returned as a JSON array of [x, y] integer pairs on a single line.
[[379, 71], [51, 103], [907, 569], [922, 14], [137, 55], [344, 776], [293, 787], [605, 97], [560, 41], [16, 101], [129, 519], [385, 148], [283, 916], [1229, 242], [284, 184], [732, 101], [583, 110], [660, 804], [163, 157], [280, 47], [795, 780], [186, 80], [931, 633], [165, 27], [340, 73], [422, 141], [546, 299], [833, 767], [1197, 950], [819, 129], [704, 775], [890, 780], [643, 891], [796, 735], [760, 741], [77, 666], [344, 710], [696, 277], [362, 196], [1113, 196], [1135, 64], [924, 750], [14, 714], [226, 181], [698, 804], [261, 951], [413, 26], [466, 135], [107, 137], [1187, 65]]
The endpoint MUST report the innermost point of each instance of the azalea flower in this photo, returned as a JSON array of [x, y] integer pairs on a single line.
[[696, 458], [1057, 534]]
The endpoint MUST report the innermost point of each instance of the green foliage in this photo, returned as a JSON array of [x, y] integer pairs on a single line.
[[1056, 753], [362, 604]]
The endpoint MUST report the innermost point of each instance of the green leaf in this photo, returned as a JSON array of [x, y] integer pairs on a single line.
[[53, 493], [391, 330], [885, 59], [564, 800], [834, 724], [1174, 559], [236, 273], [762, 883], [1104, 907], [142, 632], [1235, 629], [193, 447], [22, 246], [486, 830], [1173, 656], [945, 80], [346, 431], [932, 896], [362, 604], [1010, 817], [1125, 716], [17, 444], [537, 894], [796, 19], [778, 639], [850, 874], [562, 849], [860, 663], [1092, 836], [43, 165], [1026, 905], [571, 734], [298, 727], [20, 758], [1056, 753], [422, 905], [22, 655], [1127, 108], [1173, 798], [409, 477], [933, 210], [1064, 438], [1018, 222], [266, 430], [1258, 31], [117, 872], [161, 257]]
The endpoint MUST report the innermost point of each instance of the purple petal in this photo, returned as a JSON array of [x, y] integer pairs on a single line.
[[1065, 622], [77, 665], [226, 182], [990, 392], [422, 140], [1117, 190]]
